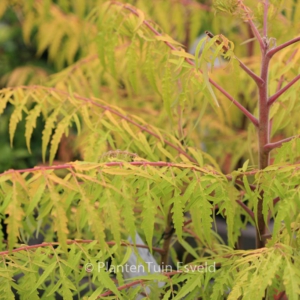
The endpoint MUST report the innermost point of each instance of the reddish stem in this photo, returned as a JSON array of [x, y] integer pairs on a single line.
[[123, 287], [251, 24], [247, 209], [276, 200], [256, 78], [282, 46], [263, 129], [263, 139], [280, 92], [270, 146], [70, 242]]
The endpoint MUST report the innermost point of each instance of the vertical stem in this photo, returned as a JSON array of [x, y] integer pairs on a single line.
[[263, 139], [264, 127]]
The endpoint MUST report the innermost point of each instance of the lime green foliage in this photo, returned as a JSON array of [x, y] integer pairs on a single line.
[[162, 136]]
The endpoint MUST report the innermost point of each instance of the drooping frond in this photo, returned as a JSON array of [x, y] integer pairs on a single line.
[[200, 192], [103, 122]]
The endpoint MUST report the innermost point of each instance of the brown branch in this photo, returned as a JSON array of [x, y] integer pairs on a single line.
[[276, 200], [246, 209], [186, 223], [123, 287], [113, 164], [244, 110], [133, 163], [193, 234], [273, 98], [282, 46], [145, 163], [71, 242], [251, 24], [256, 33], [271, 146], [255, 77]]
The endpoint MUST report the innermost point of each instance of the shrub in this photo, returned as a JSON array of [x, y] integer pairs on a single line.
[[159, 172]]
